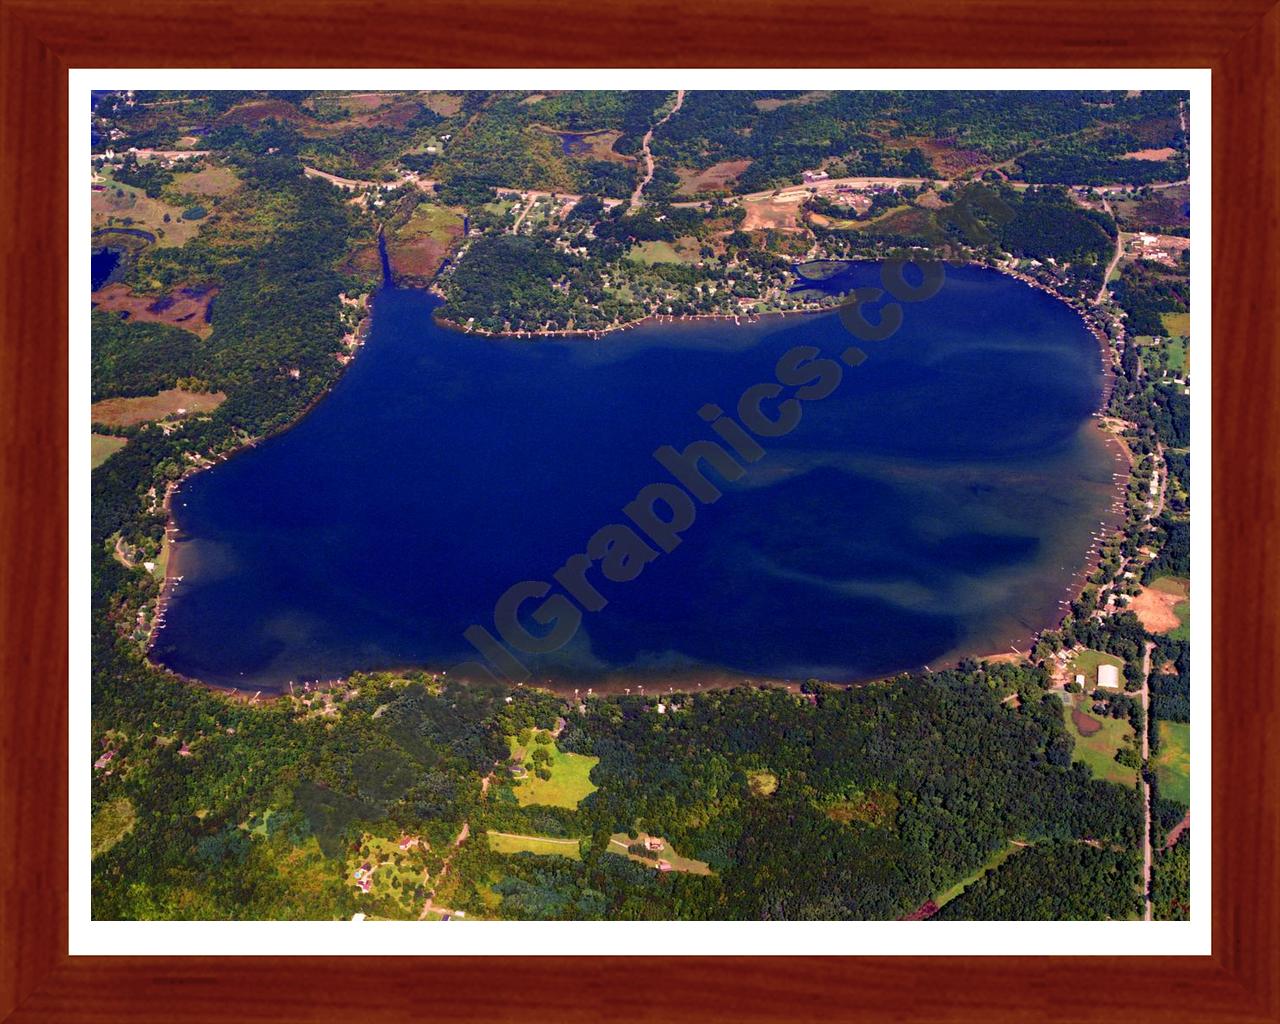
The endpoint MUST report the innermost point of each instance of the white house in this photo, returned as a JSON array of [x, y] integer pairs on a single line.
[[1109, 677]]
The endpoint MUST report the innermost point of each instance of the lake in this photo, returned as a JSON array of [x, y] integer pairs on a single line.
[[937, 503], [102, 265]]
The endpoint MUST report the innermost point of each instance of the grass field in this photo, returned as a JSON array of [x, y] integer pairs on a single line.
[[124, 412], [619, 841], [1177, 356], [544, 845], [120, 205], [1177, 324], [1098, 750], [112, 823], [996, 859], [664, 252], [211, 181], [104, 446], [569, 782], [1086, 663], [1173, 763], [441, 223]]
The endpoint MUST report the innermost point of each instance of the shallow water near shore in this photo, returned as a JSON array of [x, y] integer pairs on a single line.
[[938, 503]]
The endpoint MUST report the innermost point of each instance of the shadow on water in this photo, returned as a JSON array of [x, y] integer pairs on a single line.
[[388, 279]]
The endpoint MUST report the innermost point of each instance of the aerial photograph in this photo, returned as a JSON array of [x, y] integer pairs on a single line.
[[658, 505]]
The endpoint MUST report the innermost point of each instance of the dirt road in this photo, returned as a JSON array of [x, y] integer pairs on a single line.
[[1102, 292], [637, 197]]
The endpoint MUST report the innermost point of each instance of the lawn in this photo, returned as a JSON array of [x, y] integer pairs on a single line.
[[112, 823], [1086, 663], [104, 446], [399, 876], [569, 782], [1173, 763], [504, 843], [1176, 356], [1177, 324], [619, 841], [1098, 750]]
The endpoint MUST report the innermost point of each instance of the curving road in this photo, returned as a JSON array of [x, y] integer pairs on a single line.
[[637, 197]]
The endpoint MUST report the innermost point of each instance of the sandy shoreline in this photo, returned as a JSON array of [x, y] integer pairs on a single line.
[[703, 679]]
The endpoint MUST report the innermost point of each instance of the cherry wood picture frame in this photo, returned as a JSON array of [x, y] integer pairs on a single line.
[[40, 40]]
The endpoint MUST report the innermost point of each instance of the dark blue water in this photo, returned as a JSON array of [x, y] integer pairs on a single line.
[[936, 503], [146, 236], [573, 142], [102, 266]]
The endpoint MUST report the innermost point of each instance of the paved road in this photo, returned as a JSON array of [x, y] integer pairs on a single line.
[[1146, 788]]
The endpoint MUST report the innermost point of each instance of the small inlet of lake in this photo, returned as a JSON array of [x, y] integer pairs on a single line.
[[939, 502]]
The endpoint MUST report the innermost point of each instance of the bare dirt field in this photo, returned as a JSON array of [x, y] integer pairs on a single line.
[[184, 307], [1149, 154], [773, 214], [1155, 605], [775, 103], [715, 178], [125, 412]]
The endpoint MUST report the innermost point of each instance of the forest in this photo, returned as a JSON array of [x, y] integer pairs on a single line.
[[866, 821], [1053, 882]]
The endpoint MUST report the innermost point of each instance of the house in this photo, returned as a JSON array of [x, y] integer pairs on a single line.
[[664, 865], [1109, 677], [407, 842], [105, 759], [812, 176], [654, 844], [1080, 678], [357, 917]]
